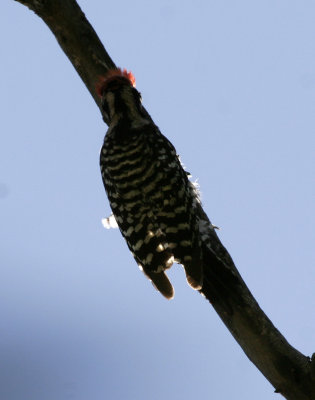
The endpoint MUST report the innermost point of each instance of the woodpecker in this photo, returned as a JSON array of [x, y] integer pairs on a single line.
[[154, 203]]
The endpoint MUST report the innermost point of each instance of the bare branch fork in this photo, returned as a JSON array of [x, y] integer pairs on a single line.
[[290, 372]]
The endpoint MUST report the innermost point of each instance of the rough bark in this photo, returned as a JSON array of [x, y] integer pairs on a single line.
[[290, 372]]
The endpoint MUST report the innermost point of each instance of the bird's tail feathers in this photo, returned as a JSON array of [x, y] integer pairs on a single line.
[[220, 283], [194, 270], [161, 282]]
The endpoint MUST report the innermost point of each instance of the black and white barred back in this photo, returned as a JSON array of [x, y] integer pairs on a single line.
[[156, 206]]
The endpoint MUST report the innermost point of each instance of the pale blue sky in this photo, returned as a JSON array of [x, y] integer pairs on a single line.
[[232, 85]]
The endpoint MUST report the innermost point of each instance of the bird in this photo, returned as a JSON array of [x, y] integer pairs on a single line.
[[154, 202]]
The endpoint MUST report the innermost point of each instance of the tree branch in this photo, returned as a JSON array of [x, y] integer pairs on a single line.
[[77, 39], [290, 372]]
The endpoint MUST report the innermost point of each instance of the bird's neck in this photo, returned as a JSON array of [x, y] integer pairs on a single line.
[[127, 121]]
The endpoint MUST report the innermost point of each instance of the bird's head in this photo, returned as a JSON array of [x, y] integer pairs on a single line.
[[120, 98]]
